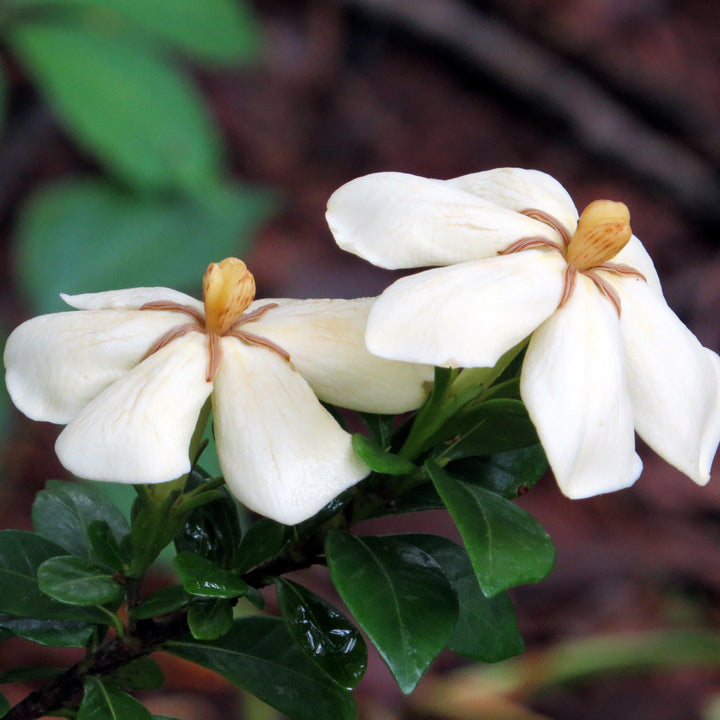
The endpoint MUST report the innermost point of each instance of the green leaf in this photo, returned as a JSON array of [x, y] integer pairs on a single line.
[[379, 459], [128, 241], [164, 601], [222, 31], [21, 554], [200, 577], [62, 512], [486, 629], [400, 597], [212, 530], [381, 426], [104, 547], [33, 672], [77, 581], [134, 110], [103, 701], [262, 541], [210, 619], [489, 427], [323, 633], [4, 706], [259, 655], [141, 674], [55, 633], [508, 474], [507, 546]]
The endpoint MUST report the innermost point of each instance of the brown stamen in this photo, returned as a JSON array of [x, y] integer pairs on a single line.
[[254, 315], [551, 220], [169, 336], [530, 242], [176, 307], [252, 339]]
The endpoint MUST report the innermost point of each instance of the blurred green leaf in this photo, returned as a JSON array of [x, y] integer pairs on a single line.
[[54, 633], [379, 459], [164, 601], [212, 530], [137, 112], [141, 674], [323, 633], [400, 597], [77, 581], [210, 619], [3, 98], [261, 542], [507, 546], [4, 706], [103, 701], [486, 629], [33, 672], [126, 241], [104, 547], [21, 554], [259, 655], [222, 31], [201, 577], [62, 512], [508, 474]]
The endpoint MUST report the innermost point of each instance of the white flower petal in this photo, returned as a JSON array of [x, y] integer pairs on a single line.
[[396, 220], [519, 189], [282, 454], [466, 315], [55, 364], [326, 342], [131, 299], [139, 429], [574, 385], [636, 256], [673, 382]]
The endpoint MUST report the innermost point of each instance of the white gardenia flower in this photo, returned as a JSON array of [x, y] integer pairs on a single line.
[[130, 371], [606, 356]]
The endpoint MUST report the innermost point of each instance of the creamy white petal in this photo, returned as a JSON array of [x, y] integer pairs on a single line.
[[466, 315], [396, 220], [519, 189], [131, 299], [139, 429], [574, 385], [326, 342], [673, 382], [282, 454], [55, 364], [636, 256]]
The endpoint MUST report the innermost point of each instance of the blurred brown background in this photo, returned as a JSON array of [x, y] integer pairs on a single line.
[[615, 99]]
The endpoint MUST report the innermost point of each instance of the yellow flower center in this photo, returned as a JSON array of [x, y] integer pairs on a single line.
[[602, 231], [228, 291]]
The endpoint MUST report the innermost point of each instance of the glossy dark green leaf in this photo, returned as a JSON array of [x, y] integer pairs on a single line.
[[164, 601], [210, 619], [508, 474], [489, 427], [123, 102], [55, 633], [141, 674], [62, 512], [381, 426], [200, 577], [32, 672], [261, 542], [21, 554], [400, 597], [104, 548], [103, 701], [212, 530], [486, 629], [77, 581], [126, 240], [379, 459], [259, 655], [323, 633], [221, 31], [507, 546]]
